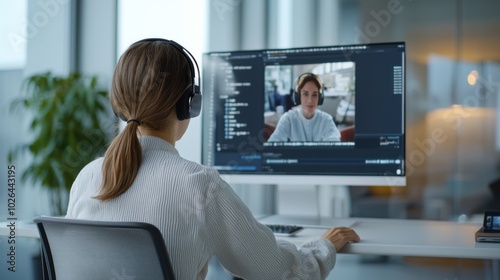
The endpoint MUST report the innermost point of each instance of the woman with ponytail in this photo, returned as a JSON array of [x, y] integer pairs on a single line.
[[142, 178]]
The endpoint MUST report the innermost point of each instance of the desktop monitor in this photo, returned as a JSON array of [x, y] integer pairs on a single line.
[[362, 100]]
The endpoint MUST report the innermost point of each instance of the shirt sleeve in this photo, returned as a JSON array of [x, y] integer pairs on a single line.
[[249, 250], [330, 131], [74, 194], [82, 188], [282, 131]]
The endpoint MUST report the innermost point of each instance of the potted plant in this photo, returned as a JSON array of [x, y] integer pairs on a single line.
[[67, 127]]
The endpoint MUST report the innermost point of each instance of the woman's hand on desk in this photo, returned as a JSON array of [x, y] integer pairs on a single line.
[[339, 236]]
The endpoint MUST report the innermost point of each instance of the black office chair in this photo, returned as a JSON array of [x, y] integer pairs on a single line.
[[82, 249]]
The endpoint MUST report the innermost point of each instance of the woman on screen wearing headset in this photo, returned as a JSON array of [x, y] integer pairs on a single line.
[[143, 178], [307, 123]]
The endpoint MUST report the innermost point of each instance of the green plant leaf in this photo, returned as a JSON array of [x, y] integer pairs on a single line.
[[64, 111]]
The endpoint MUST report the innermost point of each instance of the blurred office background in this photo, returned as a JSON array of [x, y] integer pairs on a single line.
[[452, 87]]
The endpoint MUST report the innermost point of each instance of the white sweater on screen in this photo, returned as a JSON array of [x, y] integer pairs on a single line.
[[200, 216], [293, 126]]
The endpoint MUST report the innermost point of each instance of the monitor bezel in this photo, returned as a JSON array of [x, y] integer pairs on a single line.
[[334, 180]]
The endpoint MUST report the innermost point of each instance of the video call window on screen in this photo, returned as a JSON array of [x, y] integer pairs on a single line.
[[320, 111], [492, 223], [337, 89]]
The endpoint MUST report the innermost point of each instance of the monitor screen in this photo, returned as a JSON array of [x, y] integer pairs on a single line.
[[318, 115]]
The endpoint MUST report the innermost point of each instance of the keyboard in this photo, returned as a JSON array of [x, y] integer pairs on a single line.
[[284, 230]]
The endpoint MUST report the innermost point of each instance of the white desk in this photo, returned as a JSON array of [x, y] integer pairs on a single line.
[[393, 237], [378, 237], [388, 237]]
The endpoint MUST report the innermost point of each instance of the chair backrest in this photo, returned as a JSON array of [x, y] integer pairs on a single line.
[[82, 249]]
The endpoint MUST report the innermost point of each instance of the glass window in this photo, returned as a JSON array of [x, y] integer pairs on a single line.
[[180, 21], [13, 28], [169, 19], [452, 86]]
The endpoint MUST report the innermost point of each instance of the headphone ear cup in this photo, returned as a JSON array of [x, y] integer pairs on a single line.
[[295, 98], [321, 98], [195, 104], [189, 105], [182, 105]]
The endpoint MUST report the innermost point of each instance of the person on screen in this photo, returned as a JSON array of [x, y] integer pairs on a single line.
[[143, 178], [307, 123]]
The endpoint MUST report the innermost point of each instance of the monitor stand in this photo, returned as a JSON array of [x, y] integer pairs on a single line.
[[324, 201], [260, 199], [333, 201]]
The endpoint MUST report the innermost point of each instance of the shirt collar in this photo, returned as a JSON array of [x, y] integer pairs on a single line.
[[156, 143]]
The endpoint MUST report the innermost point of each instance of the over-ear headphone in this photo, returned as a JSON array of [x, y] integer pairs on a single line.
[[189, 105], [296, 94]]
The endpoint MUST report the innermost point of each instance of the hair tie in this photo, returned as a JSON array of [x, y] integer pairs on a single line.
[[135, 120]]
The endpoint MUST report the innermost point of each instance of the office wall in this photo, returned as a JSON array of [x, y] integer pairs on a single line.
[[272, 24], [96, 47], [49, 45], [96, 39]]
